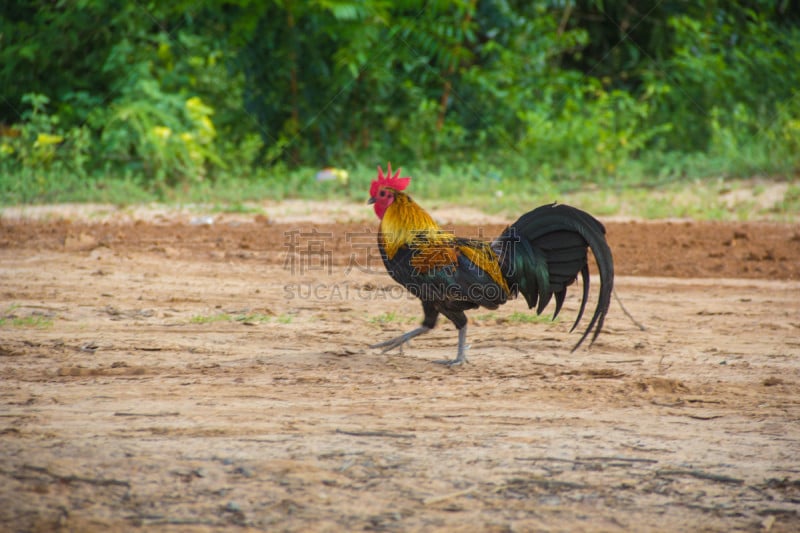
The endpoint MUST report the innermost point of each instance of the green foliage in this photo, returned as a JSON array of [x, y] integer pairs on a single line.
[[125, 98], [732, 66]]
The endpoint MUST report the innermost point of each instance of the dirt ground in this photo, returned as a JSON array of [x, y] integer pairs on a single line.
[[199, 373]]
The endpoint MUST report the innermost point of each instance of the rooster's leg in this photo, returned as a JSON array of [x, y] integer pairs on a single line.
[[401, 340], [461, 357]]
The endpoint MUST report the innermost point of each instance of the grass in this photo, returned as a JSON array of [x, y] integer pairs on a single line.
[[245, 318], [791, 200], [690, 193], [709, 199], [210, 319], [34, 320], [238, 208], [254, 318], [390, 317], [517, 317], [38, 322]]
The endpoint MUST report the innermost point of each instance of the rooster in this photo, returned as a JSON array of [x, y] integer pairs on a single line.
[[539, 256]]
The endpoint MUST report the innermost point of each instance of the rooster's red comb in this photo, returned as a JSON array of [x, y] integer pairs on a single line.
[[388, 180]]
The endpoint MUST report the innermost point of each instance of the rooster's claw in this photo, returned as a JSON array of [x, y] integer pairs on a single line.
[[401, 340], [450, 363]]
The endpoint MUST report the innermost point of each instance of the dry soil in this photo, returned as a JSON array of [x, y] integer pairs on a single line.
[[200, 373]]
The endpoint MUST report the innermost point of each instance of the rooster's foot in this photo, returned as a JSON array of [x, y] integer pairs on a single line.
[[461, 358], [452, 362], [398, 342]]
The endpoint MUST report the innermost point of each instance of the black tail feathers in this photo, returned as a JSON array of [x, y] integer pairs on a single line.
[[542, 253]]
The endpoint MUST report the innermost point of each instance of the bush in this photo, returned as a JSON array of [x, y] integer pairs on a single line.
[[184, 94]]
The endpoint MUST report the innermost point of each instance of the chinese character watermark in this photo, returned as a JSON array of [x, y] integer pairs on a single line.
[[312, 252], [366, 255], [307, 252]]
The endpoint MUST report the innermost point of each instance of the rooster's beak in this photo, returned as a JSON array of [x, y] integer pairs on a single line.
[[371, 200]]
